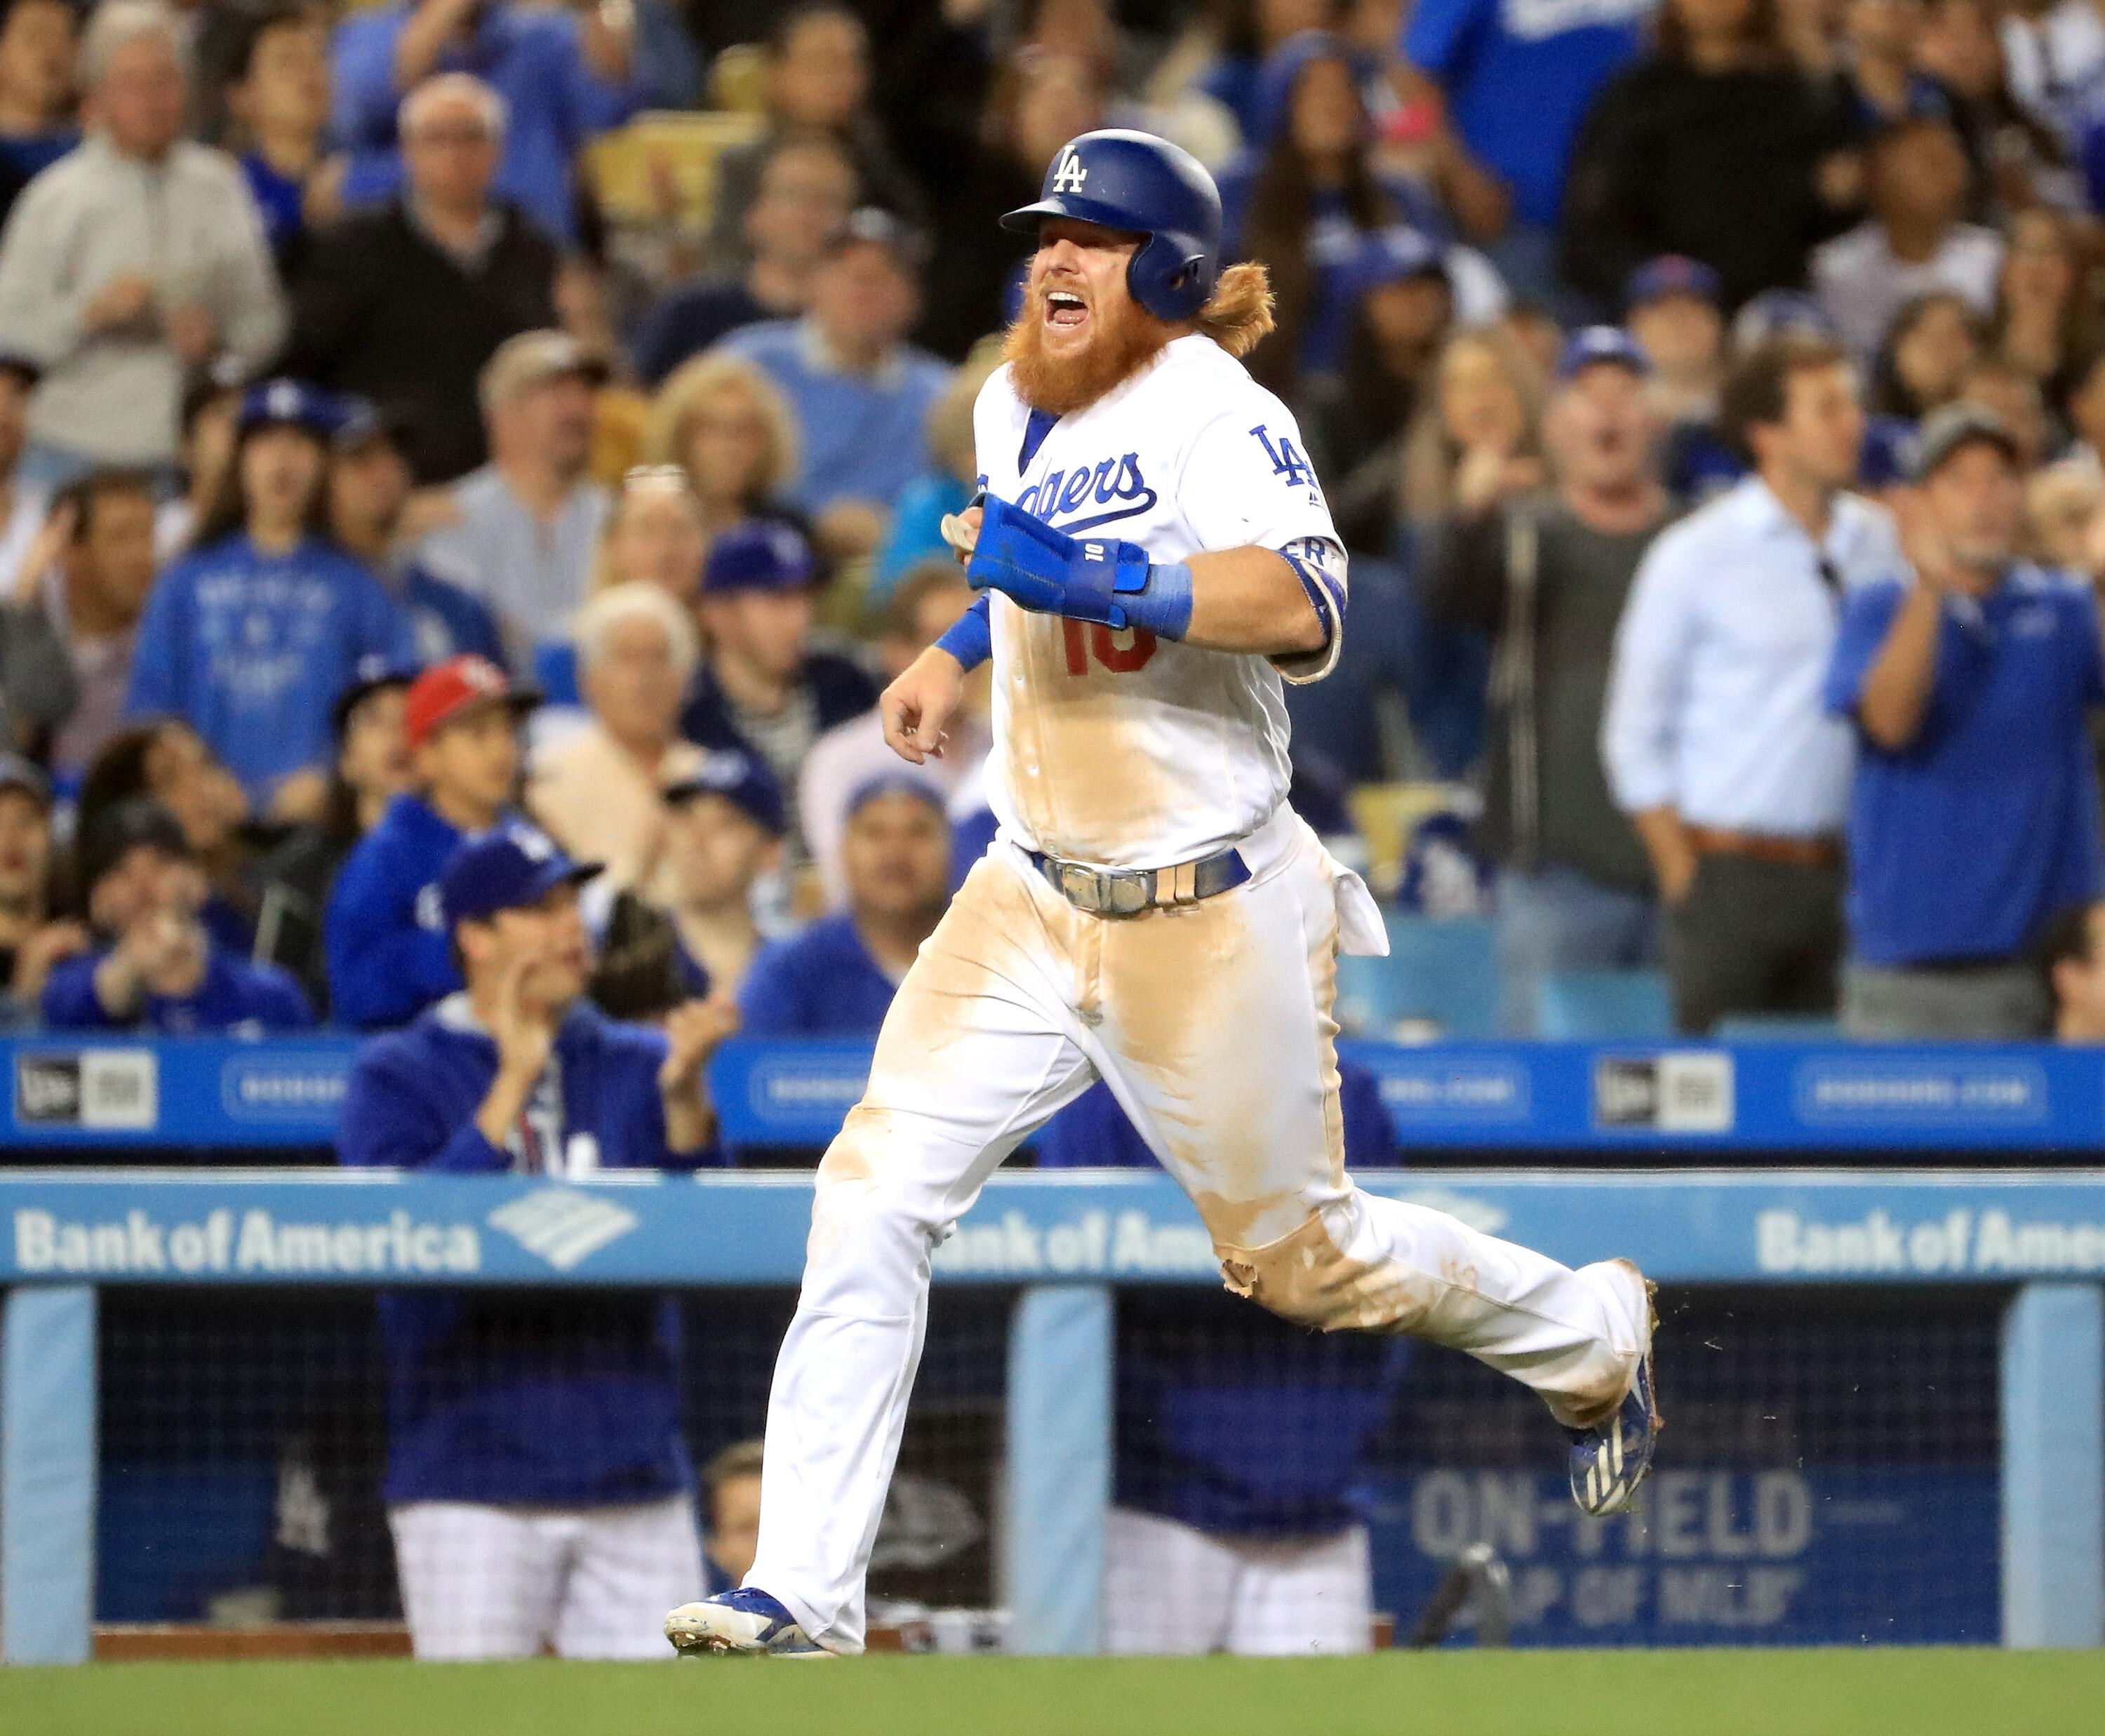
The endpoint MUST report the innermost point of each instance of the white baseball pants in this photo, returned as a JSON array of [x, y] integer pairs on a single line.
[[1212, 1024], [487, 1582], [1172, 1590]]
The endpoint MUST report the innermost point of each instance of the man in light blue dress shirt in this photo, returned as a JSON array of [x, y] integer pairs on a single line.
[[1716, 737]]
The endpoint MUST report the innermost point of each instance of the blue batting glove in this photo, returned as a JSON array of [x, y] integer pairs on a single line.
[[1084, 579]]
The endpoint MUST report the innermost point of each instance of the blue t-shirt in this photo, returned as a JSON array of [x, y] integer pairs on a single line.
[[822, 982], [555, 104], [280, 201], [383, 937], [252, 649], [1966, 842], [863, 434], [1519, 75], [1229, 1418], [234, 994]]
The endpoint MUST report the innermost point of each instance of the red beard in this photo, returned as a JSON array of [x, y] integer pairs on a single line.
[[1127, 338]]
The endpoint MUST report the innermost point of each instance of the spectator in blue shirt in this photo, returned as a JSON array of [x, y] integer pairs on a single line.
[[370, 482], [280, 98], [1974, 820], [251, 635], [1238, 1523], [837, 977], [386, 948], [563, 75], [861, 393], [1518, 79], [538, 1488], [158, 968]]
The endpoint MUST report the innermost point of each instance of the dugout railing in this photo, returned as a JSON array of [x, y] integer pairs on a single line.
[[2029, 1243]]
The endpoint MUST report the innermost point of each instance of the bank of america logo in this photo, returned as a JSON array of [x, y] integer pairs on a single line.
[[561, 1226]]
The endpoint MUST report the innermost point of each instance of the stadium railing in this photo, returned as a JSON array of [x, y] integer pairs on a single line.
[[1067, 1242]]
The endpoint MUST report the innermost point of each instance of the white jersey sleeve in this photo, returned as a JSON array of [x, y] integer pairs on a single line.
[[1248, 482]]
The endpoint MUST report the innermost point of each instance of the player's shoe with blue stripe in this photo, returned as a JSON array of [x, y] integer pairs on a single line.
[[1609, 1460], [744, 1620]]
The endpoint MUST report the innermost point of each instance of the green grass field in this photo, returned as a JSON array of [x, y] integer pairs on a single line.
[[1498, 1693]]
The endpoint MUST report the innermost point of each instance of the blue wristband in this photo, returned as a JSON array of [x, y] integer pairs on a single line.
[[1163, 605], [970, 637]]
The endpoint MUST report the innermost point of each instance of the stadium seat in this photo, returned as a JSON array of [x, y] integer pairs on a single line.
[[1778, 1028], [1440, 979], [1590, 1004]]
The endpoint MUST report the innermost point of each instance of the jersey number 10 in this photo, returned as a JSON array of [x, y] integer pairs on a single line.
[[1120, 660]]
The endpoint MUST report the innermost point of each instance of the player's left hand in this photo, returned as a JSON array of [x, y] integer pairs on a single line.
[[693, 1032]]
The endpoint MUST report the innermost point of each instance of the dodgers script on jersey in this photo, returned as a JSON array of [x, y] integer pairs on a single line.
[[1117, 749]]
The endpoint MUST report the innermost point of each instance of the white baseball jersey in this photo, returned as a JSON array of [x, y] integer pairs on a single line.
[[1118, 749]]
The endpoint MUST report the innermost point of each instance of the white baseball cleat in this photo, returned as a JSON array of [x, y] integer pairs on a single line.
[[1609, 1459], [746, 1621]]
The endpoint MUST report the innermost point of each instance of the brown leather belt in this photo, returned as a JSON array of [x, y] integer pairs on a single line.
[[1768, 847]]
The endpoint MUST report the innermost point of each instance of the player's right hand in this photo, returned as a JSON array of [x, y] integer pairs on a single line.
[[917, 707]]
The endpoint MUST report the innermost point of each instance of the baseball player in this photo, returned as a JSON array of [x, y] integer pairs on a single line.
[[1157, 556]]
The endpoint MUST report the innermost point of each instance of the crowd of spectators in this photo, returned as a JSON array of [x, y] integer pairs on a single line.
[[325, 360]]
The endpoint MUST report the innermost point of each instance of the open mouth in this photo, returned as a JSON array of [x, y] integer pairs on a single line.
[[1063, 307]]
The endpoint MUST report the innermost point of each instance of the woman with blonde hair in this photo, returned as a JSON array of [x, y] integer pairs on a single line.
[[721, 419], [1476, 439], [597, 790]]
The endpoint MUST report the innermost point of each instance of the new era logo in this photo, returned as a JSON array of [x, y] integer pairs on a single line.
[[561, 1226]]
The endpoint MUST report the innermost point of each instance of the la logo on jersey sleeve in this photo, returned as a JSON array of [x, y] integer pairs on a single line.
[[1287, 463]]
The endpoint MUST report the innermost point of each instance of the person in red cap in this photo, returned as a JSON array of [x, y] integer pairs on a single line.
[[385, 943]]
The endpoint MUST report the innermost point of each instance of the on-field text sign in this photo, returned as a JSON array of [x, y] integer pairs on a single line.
[[105, 1090]]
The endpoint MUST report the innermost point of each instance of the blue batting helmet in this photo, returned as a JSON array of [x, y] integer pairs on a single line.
[[1134, 181]]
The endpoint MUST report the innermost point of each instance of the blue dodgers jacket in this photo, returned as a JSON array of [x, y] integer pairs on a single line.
[[383, 944], [234, 995], [567, 1399]]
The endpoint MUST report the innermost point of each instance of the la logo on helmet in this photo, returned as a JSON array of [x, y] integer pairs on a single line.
[[1071, 176]]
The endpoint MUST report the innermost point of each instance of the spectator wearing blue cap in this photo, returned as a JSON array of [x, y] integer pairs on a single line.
[[156, 967], [1717, 738], [837, 978], [762, 688], [1544, 576], [1402, 303], [927, 602], [723, 835], [1305, 192], [1973, 818], [599, 787], [537, 1486], [1713, 144], [369, 485], [860, 391], [251, 635], [1518, 85], [369, 722], [132, 261], [1674, 306], [385, 948]]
